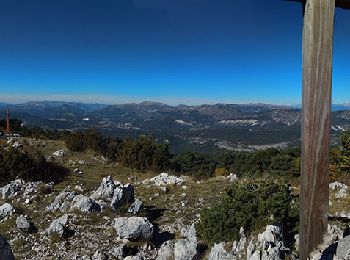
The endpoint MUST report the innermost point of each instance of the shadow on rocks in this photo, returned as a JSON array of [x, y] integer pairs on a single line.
[[153, 214]]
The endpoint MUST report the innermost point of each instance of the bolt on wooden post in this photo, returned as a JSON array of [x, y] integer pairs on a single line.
[[316, 112]]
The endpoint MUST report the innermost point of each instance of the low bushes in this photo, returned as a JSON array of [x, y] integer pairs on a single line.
[[251, 206]]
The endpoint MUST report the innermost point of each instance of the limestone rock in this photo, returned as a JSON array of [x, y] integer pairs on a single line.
[[186, 249], [343, 249], [164, 179], [62, 201], [59, 153], [84, 204], [6, 210], [135, 228], [218, 252], [136, 206], [106, 189], [269, 245], [12, 189], [166, 251], [98, 255], [59, 226], [124, 194], [24, 223]]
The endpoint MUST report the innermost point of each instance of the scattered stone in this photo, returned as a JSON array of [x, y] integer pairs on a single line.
[[24, 223], [135, 228], [106, 189], [268, 246], [164, 179], [59, 226], [135, 257], [5, 250], [124, 194], [117, 193], [343, 249], [59, 153], [6, 210], [84, 204], [136, 206], [232, 177], [342, 189], [186, 248], [117, 251], [98, 255], [327, 249], [166, 251], [238, 247], [164, 189], [62, 201], [11, 189], [218, 252]]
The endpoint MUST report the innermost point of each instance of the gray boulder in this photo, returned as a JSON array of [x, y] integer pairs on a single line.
[[186, 249], [62, 201], [218, 252], [134, 228], [98, 255], [135, 257], [269, 245], [124, 194], [117, 251], [166, 251], [59, 226], [136, 206], [12, 189], [343, 249], [164, 179], [6, 210], [24, 223], [106, 189], [5, 250], [84, 204]]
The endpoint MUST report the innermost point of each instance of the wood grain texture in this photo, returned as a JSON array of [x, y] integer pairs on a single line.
[[316, 111]]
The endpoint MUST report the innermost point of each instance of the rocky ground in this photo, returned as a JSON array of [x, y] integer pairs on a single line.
[[104, 211]]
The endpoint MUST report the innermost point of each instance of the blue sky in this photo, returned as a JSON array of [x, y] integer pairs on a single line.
[[174, 51]]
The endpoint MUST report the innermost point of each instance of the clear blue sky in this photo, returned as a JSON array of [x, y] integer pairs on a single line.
[[176, 51]]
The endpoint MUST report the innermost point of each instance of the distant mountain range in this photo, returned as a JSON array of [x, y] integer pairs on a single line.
[[203, 128]]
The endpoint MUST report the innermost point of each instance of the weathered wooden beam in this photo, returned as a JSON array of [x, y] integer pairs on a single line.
[[316, 111]]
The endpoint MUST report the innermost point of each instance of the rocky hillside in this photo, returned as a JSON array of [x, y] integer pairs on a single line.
[[203, 128], [104, 211]]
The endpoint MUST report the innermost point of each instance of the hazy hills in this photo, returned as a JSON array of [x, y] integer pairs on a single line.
[[204, 127]]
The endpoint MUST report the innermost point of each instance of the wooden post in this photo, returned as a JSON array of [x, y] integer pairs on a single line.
[[316, 111]]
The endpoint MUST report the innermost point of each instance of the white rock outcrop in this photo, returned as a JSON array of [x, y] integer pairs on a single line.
[[268, 247], [164, 179], [59, 226], [24, 223], [136, 206], [62, 201], [133, 228], [84, 204], [218, 252], [6, 210], [116, 193]]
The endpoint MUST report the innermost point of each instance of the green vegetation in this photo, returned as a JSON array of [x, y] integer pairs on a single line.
[[195, 164], [340, 158], [29, 165], [251, 206]]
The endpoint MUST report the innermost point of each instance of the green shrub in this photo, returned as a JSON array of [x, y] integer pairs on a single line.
[[28, 165], [194, 164], [251, 206]]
